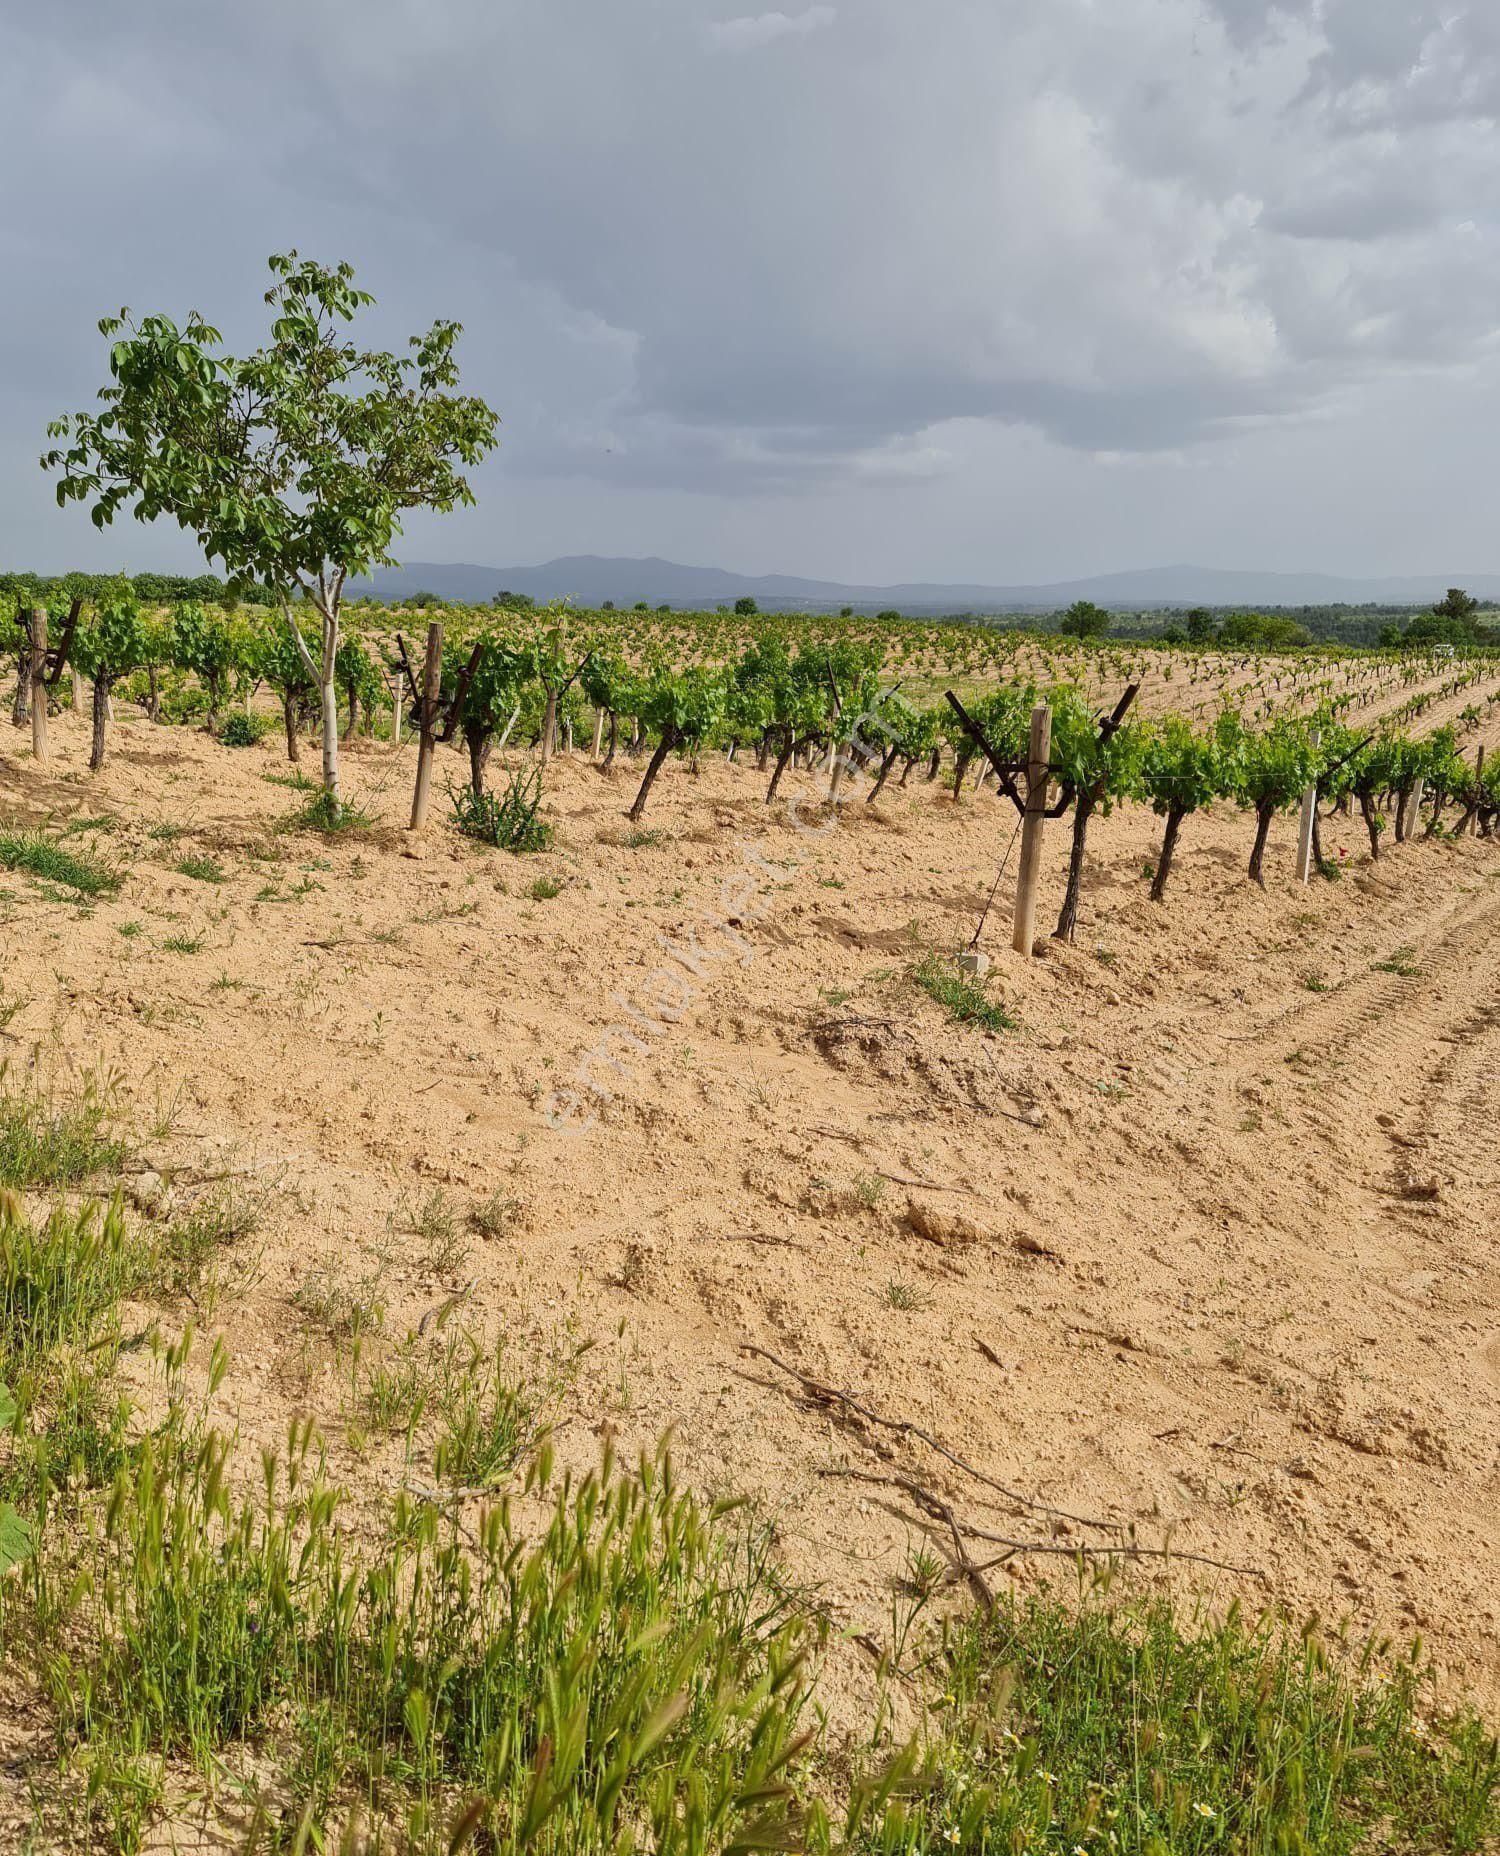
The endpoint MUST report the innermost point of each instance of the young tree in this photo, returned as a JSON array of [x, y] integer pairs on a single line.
[[111, 644], [1083, 619], [291, 465], [493, 695]]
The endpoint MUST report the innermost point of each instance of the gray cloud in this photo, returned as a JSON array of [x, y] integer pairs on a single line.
[[1146, 230]]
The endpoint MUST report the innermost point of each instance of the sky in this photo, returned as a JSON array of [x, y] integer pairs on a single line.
[[988, 290]]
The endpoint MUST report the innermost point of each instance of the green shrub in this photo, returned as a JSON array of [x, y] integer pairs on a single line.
[[239, 730]]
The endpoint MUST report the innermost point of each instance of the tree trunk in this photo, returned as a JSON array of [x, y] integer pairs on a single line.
[[663, 749], [763, 752], [906, 770], [1372, 822], [882, 776], [1317, 839], [960, 770], [549, 726], [101, 715], [153, 693], [1403, 794], [353, 722], [20, 709], [614, 739], [1067, 920], [330, 705], [1175, 816], [480, 742], [787, 749], [289, 718], [1264, 813], [934, 762], [213, 702]]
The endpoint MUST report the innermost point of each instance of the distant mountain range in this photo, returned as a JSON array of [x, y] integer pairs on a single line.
[[590, 579]]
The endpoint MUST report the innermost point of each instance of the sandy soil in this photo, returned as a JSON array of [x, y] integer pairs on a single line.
[[1203, 1248]]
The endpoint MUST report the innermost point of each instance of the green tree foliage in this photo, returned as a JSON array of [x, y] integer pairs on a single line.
[[291, 465], [1096, 764], [1083, 619], [679, 708]]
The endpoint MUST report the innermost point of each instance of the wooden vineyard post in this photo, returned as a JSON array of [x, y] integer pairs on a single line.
[[1479, 789], [598, 734], [1305, 826], [432, 678], [396, 710], [37, 630], [1414, 815], [1038, 750]]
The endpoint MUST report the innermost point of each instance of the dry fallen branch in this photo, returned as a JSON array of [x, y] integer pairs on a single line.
[[934, 1505], [904, 1428]]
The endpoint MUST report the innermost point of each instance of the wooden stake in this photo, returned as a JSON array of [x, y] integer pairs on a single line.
[[598, 734], [1414, 815], [38, 631], [1305, 827], [1039, 749], [432, 684]]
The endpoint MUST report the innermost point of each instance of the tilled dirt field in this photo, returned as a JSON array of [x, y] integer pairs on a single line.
[[1202, 1249]]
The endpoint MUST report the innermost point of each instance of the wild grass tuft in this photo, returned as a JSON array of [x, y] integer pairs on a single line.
[[41, 856], [48, 1142]]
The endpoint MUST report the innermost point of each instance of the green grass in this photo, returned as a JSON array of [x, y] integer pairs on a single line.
[[1118, 1729], [328, 815], [1403, 962], [509, 820], [201, 869], [184, 943], [962, 996], [42, 856], [50, 1144], [545, 888]]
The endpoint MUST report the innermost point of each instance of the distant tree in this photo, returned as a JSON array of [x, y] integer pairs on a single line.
[[1458, 606], [745, 607], [514, 602], [291, 465], [1200, 625], [663, 607], [1083, 619], [889, 617], [608, 606], [846, 612], [640, 606]]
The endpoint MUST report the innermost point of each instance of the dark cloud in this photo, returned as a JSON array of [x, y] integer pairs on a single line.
[[742, 251]]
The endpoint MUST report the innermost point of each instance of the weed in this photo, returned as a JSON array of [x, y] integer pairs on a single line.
[[903, 1296], [962, 995], [487, 1419], [184, 943], [434, 1219], [239, 730], [43, 857], [639, 839], [545, 888], [343, 1306], [492, 1217], [201, 869], [1402, 962], [869, 1189], [129, 929], [56, 1145], [329, 815], [508, 820]]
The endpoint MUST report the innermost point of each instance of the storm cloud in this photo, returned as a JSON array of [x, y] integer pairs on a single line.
[[834, 275]]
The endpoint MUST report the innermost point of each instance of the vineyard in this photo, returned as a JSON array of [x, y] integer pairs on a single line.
[[683, 1100], [691, 1233]]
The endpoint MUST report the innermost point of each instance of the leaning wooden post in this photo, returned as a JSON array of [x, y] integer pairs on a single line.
[[38, 633], [1414, 816], [1305, 827], [432, 679], [1037, 753]]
